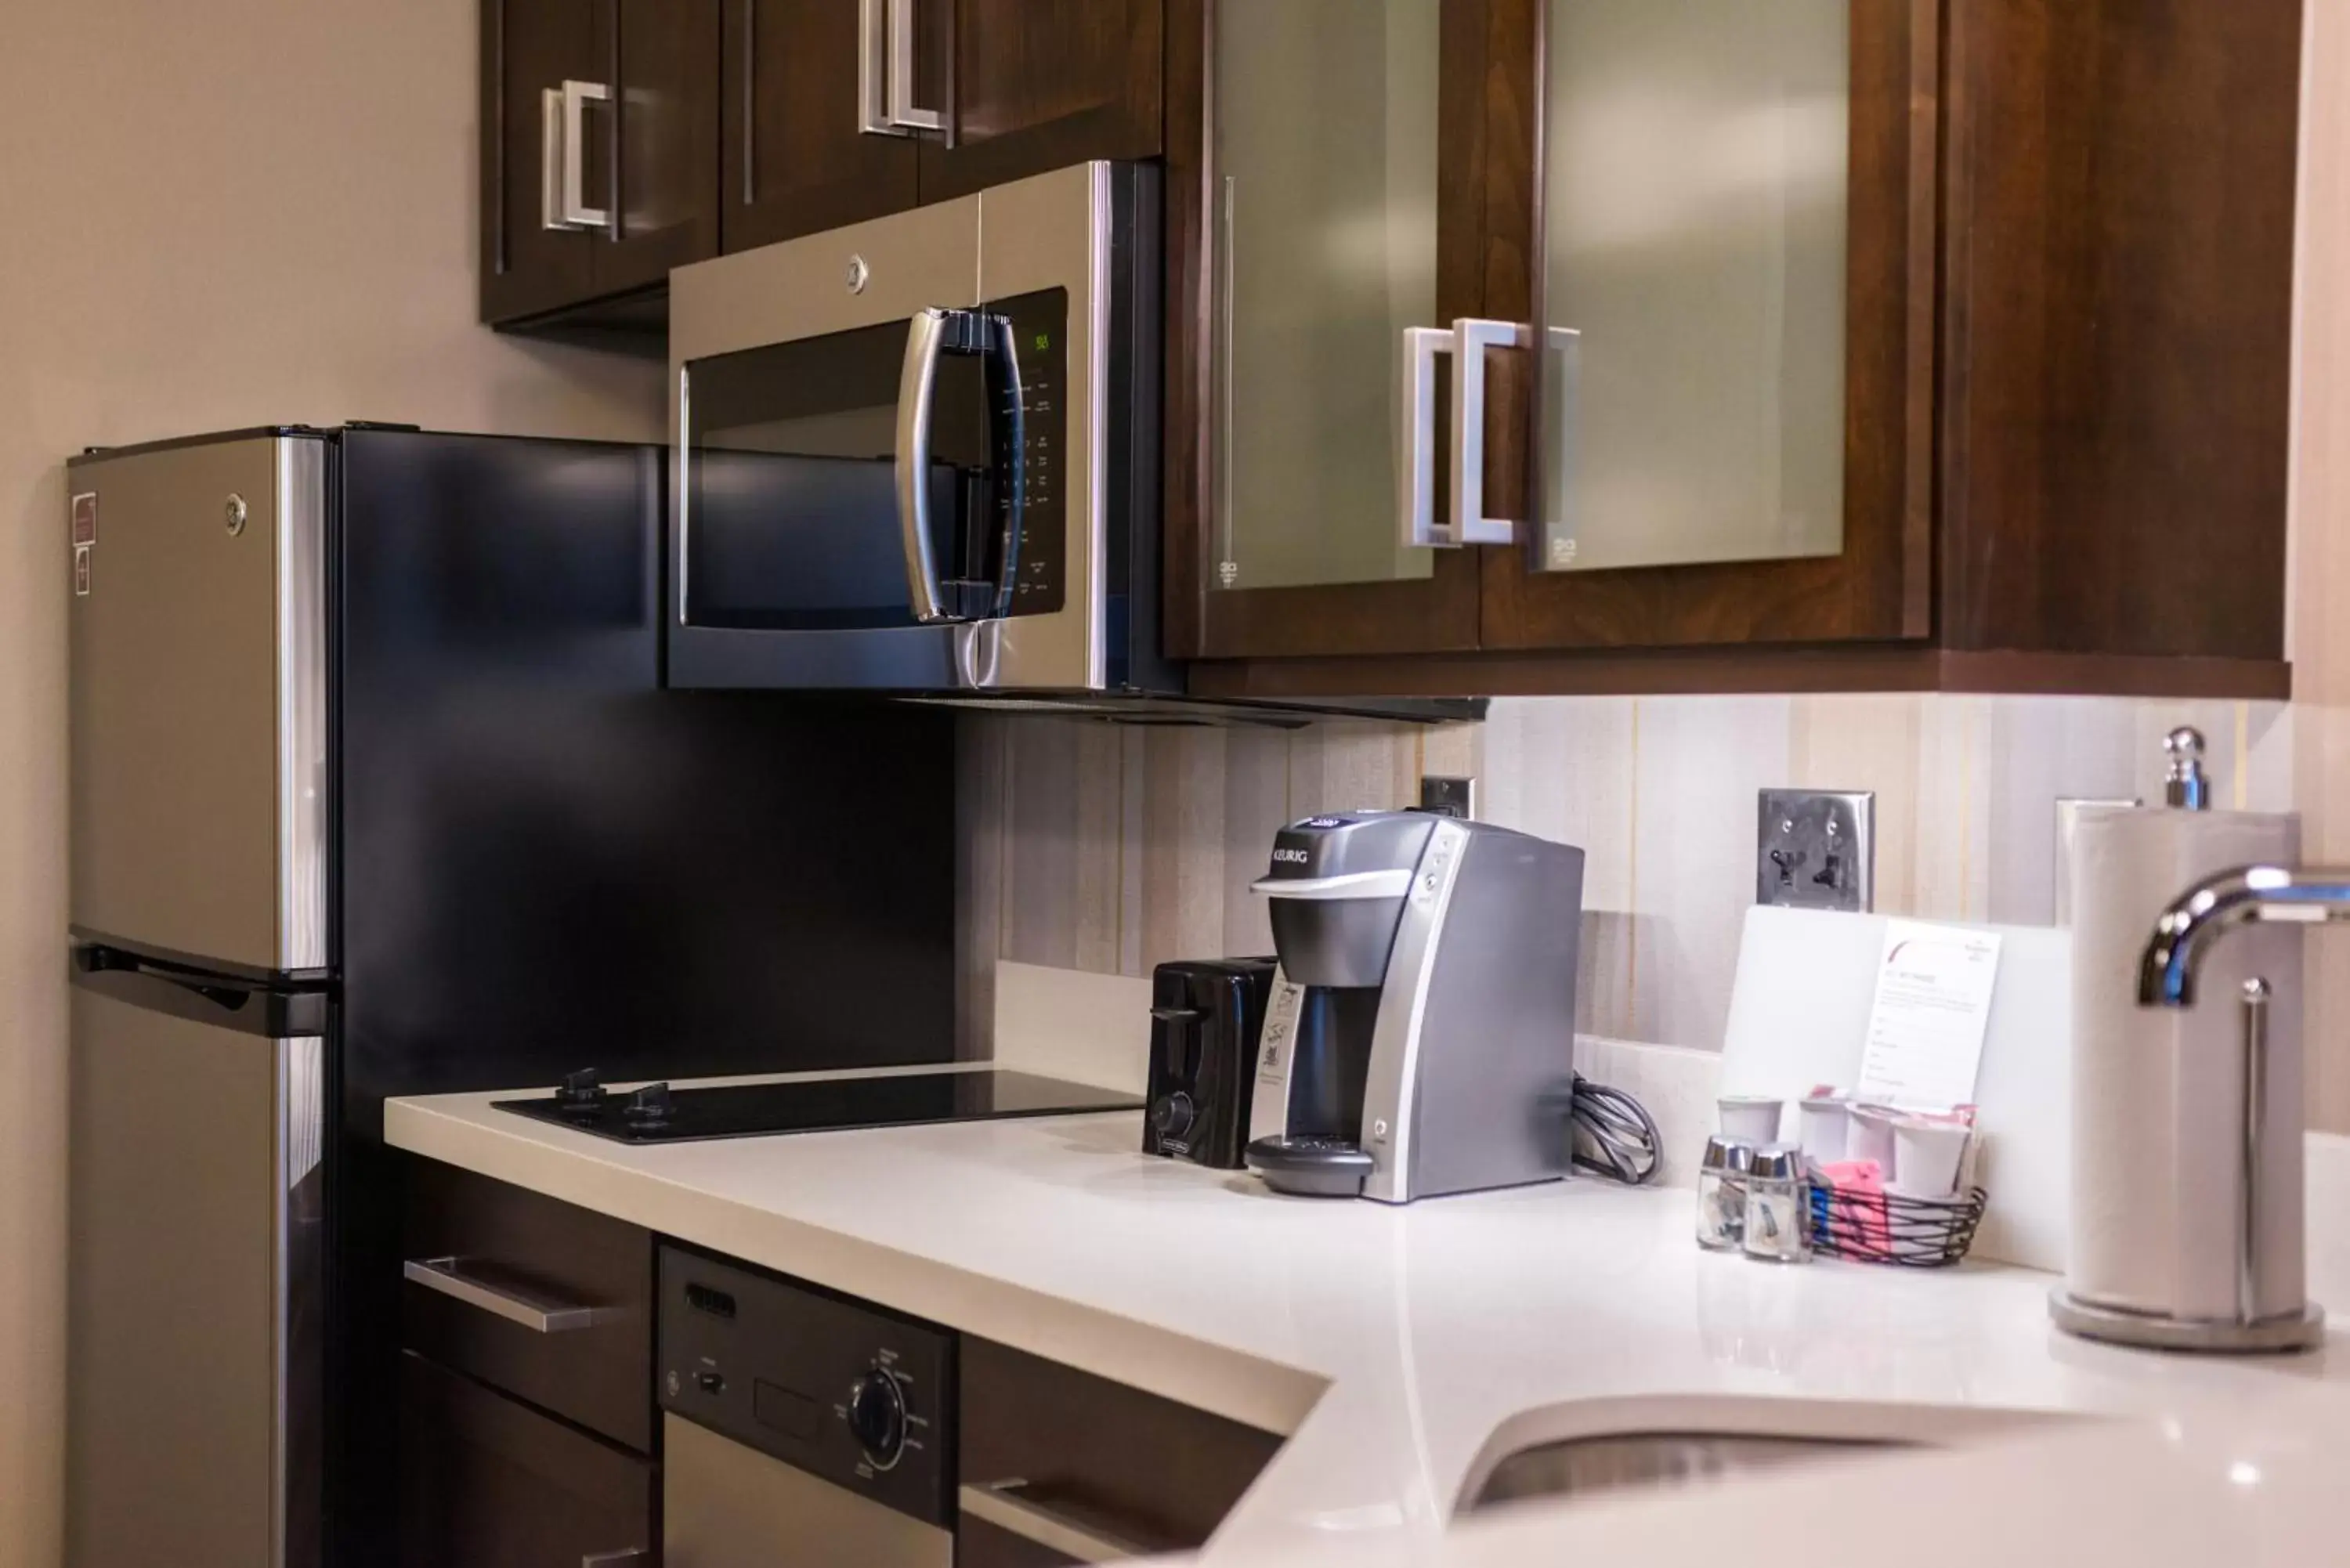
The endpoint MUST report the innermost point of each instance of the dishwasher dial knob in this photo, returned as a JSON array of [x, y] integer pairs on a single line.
[[1171, 1117], [877, 1415]]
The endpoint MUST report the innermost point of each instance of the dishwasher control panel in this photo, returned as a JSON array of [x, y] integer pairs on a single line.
[[845, 1390]]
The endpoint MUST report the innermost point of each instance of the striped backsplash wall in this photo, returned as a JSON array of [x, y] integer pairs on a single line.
[[1103, 848]]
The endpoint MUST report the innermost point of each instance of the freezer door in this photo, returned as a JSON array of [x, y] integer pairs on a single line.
[[193, 1279], [198, 702]]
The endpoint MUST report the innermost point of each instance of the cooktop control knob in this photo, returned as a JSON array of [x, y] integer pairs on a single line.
[[580, 1093], [877, 1415], [1171, 1117], [648, 1106]]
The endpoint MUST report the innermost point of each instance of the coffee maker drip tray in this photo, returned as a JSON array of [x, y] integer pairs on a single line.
[[1311, 1166]]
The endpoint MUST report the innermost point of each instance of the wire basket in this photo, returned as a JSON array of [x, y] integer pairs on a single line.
[[1875, 1227]]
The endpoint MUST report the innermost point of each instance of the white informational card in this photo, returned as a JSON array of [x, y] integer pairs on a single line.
[[1926, 1026]]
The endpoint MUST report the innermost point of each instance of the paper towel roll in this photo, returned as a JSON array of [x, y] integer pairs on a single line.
[[2157, 1094]]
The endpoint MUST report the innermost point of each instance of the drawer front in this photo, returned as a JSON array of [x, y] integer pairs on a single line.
[[1099, 1460], [548, 1302], [979, 1545], [487, 1483]]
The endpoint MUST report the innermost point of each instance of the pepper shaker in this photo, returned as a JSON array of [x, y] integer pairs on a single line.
[[1721, 1194], [1777, 1192]]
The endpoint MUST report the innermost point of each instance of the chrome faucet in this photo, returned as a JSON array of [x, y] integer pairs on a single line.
[[2256, 895], [2183, 937]]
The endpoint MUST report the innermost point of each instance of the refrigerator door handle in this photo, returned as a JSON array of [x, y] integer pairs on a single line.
[[249, 1007]]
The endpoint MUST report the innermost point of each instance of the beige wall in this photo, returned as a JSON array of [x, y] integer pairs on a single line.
[[230, 213]]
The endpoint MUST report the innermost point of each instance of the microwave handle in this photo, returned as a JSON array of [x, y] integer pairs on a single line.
[[917, 391]]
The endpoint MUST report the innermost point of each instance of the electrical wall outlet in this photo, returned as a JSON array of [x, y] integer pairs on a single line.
[[1448, 796], [1816, 850]]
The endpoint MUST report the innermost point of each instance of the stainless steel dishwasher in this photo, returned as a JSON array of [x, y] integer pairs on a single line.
[[800, 1429]]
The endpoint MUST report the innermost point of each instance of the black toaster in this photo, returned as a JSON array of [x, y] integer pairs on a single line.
[[1205, 1014]]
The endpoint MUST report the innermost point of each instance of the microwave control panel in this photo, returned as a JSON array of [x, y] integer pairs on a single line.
[[1039, 326]]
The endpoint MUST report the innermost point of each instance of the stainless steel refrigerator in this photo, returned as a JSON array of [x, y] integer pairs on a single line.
[[376, 791]]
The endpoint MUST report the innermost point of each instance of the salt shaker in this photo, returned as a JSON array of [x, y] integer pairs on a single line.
[[1721, 1194], [1776, 1194]]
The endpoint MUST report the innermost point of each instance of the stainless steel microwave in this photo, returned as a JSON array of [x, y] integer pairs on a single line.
[[921, 455], [912, 454]]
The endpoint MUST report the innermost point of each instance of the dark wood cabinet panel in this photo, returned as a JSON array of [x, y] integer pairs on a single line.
[[1879, 588], [599, 1375], [1150, 1471], [1038, 85], [979, 1545], [529, 47], [2069, 256], [488, 1483], [794, 160], [2117, 337], [663, 195]]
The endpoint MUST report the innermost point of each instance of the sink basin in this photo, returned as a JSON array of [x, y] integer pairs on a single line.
[[1615, 1448], [1576, 1467]]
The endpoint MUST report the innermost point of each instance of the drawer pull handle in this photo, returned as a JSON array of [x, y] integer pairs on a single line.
[[631, 1558], [461, 1278], [1002, 1504]]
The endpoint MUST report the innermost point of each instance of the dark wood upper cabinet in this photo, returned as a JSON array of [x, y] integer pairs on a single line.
[[2050, 403], [1338, 194], [1031, 86], [1734, 289], [796, 159], [600, 128], [2117, 330]]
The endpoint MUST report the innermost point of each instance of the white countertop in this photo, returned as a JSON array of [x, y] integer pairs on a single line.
[[1394, 1344]]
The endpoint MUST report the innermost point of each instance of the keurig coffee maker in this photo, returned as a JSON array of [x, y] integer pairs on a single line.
[[1423, 1020]]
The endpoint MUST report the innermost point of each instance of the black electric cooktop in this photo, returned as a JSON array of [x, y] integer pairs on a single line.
[[659, 1114]]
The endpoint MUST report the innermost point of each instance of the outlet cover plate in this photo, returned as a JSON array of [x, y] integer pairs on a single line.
[[1816, 850], [1448, 796]]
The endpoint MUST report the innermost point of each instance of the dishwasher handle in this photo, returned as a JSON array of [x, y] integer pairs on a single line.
[[1009, 1506]]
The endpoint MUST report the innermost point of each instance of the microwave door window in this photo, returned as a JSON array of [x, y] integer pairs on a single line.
[[792, 477], [793, 483]]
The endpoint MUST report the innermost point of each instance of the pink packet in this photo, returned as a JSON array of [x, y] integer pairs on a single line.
[[1856, 1194]]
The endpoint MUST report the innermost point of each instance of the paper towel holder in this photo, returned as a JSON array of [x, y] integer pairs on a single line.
[[2185, 932]]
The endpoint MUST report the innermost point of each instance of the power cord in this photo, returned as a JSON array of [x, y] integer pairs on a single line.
[[1613, 1135]]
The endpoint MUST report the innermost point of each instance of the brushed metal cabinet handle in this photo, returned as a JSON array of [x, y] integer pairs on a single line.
[[626, 1559], [902, 113], [1001, 1504], [873, 68], [1471, 338], [885, 72], [454, 1278], [1416, 442], [576, 213], [550, 160]]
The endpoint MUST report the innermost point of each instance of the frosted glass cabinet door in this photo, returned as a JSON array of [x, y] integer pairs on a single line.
[[1322, 215], [1695, 180]]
